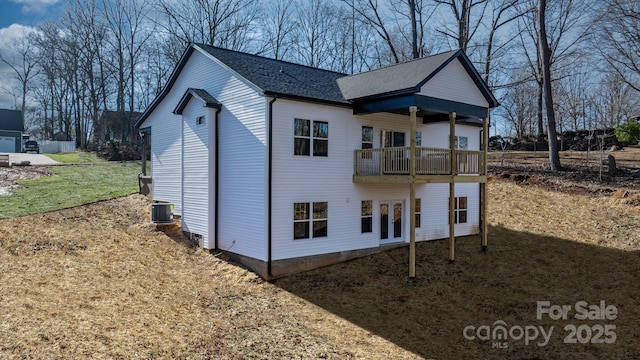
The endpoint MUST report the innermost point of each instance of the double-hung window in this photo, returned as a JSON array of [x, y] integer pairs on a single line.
[[311, 137], [310, 220]]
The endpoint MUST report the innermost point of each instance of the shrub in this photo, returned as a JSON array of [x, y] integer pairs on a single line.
[[629, 133]]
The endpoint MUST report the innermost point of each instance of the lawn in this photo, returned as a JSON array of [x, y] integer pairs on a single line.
[[70, 186], [99, 281], [78, 157]]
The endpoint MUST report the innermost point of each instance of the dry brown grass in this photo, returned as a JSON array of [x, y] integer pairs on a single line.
[[100, 282]]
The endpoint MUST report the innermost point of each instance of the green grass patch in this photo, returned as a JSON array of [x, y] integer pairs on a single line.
[[78, 157], [71, 186]]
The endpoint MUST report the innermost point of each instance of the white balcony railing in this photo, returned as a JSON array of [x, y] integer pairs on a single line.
[[429, 161]]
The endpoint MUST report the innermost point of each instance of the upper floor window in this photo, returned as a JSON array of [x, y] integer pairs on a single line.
[[311, 138]]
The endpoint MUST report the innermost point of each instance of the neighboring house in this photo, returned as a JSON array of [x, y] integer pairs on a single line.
[[288, 167], [11, 128], [116, 125]]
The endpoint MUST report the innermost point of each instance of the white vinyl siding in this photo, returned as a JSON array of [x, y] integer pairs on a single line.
[[454, 83], [435, 210], [302, 179], [195, 164], [437, 135], [242, 174]]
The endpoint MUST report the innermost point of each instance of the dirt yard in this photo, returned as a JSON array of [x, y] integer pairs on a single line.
[[100, 281], [9, 176]]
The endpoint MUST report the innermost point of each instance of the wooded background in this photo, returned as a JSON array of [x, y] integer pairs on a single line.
[[115, 55]]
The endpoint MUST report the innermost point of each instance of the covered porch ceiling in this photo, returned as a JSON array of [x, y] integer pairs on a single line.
[[430, 109]]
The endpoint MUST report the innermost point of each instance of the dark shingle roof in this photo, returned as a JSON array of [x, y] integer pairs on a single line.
[[207, 99], [277, 77], [281, 77], [394, 78], [11, 120]]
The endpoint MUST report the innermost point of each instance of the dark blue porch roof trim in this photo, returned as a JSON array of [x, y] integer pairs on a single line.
[[422, 102]]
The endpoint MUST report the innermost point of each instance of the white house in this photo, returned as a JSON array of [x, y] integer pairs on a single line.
[[288, 167], [11, 129]]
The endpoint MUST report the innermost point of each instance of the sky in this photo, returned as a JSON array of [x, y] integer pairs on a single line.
[[28, 12], [18, 17]]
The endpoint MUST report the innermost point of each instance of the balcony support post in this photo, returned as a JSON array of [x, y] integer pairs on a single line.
[[412, 192], [452, 185], [484, 227]]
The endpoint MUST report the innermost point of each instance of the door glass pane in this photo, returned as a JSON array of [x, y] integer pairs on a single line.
[[386, 138], [384, 221], [397, 220], [367, 134], [398, 139]]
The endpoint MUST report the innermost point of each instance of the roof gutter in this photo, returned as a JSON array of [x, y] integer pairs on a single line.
[[270, 188], [216, 190]]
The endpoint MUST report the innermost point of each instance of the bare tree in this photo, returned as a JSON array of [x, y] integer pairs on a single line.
[[620, 36], [278, 28], [503, 13], [128, 33], [467, 20], [371, 14], [519, 107], [23, 61], [316, 30], [567, 23], [223, 23], [545, 56]]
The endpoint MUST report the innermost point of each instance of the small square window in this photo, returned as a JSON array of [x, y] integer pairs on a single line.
[[200, 120]]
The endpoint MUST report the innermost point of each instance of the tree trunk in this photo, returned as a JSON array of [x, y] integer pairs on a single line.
[[545, 55], [540, 119], [414, 30]]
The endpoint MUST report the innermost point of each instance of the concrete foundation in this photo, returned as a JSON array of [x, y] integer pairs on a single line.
[[281, 268]]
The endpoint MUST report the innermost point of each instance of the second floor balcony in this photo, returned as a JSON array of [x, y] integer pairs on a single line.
[[392, 164]]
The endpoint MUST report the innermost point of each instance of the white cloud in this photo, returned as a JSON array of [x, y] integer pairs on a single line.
[[35, 6], [14, 31]]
